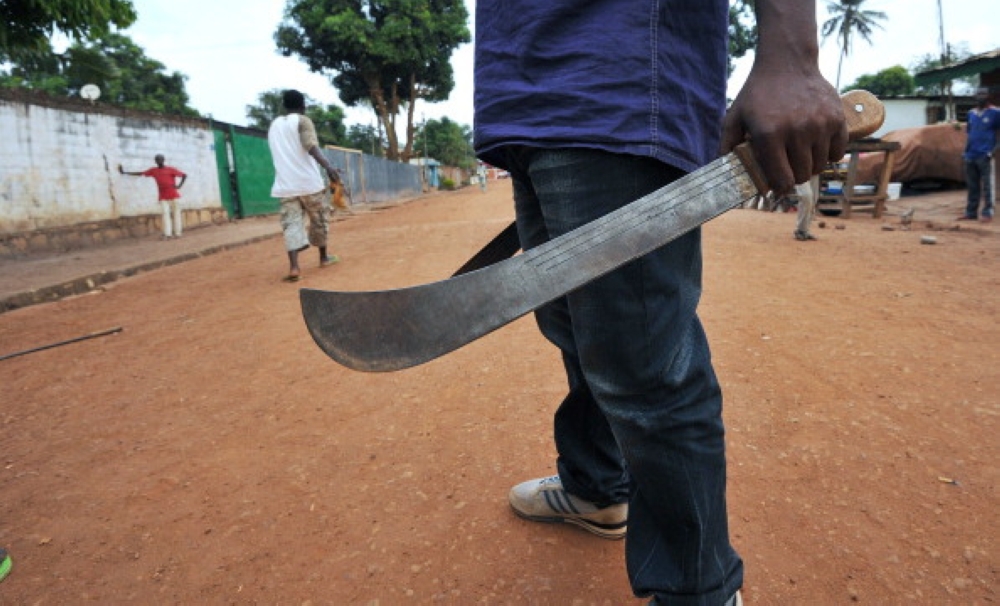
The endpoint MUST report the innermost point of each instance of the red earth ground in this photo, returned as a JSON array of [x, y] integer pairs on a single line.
[[211, 454]]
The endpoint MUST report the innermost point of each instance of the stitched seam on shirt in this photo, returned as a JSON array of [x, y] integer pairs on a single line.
[[654, 101]]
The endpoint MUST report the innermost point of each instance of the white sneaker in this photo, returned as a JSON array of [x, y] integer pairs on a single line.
[[544, 500]]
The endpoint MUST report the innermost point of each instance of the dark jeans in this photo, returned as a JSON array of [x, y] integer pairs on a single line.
[[643, 418], [979, 177]]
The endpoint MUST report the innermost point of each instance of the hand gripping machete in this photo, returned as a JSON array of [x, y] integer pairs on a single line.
[[386, 330]]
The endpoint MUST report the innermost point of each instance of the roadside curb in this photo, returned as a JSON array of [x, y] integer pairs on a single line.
[[89, 283]]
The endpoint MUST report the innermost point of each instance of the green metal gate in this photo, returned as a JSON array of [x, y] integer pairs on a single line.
[[246, 172]]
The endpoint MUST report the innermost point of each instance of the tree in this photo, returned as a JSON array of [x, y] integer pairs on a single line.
[[125, 75], [37, 71], [742, 30], [956, 54], [447, 142], [849, 18], [139, 82], [268, 108], [329, 120], [27, 25], [891, 82], [366, 138], [384, 53]]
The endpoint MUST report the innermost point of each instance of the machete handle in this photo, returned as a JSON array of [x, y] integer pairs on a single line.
[[863, 112]]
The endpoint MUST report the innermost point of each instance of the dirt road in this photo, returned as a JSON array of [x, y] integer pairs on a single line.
[[211, 454]]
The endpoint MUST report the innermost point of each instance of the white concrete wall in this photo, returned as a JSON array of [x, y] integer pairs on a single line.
[[58, 167], [903, 113]]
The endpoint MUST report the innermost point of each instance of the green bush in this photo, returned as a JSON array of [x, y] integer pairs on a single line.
[[447, 184]]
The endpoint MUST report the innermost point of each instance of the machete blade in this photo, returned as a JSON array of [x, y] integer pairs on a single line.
[[386, 330], [503, 246], [395, 329]]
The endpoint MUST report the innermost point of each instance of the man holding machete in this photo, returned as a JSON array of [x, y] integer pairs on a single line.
[[590, 106]]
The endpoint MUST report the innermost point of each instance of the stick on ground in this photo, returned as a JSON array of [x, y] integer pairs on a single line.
[[66, 342]]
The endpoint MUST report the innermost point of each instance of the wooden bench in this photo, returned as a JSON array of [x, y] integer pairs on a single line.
[[848, 198]]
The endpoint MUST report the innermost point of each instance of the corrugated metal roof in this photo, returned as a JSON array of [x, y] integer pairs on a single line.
[[972, 66]]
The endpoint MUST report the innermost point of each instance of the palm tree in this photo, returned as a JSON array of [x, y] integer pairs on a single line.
[[847, 19]]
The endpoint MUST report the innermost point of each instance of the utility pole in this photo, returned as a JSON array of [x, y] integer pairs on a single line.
[[949, 110], [423, 132]]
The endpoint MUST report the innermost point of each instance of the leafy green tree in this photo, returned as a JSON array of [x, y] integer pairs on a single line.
[[447, 142], [849, 18], [891, 82], [139, 82], [125, 75], [382, 53], [366, 138], [329, 120], [268, 108], [742, 30], [37, 71], [27, 25]]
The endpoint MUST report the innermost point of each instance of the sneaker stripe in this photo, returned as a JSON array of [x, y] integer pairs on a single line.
[[607, 531], [615, 526], [569, 506], [559, 502], [545, 500]]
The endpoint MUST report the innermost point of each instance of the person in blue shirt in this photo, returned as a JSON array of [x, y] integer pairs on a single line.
[[589, 106], [984, 121]]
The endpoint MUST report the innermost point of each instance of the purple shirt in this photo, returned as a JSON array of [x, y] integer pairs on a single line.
[[645, 78]]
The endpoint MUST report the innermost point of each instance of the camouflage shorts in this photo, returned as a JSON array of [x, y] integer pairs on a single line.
[[293, 221]]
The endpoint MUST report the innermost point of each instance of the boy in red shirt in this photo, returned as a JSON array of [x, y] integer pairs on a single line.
[[166, 183]]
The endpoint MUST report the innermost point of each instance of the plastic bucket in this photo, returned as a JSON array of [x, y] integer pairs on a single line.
[[894, 190]]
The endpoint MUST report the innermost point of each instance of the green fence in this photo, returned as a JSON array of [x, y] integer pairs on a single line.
[[246, 173]]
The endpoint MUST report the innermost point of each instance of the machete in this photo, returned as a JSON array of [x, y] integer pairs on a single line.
[[386, 330], [500, 248]]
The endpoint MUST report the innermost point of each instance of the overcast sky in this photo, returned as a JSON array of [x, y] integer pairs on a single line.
[[226, 49]]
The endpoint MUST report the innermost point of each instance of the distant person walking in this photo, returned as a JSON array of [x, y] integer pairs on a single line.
[[984, 121], [806, 208], [166, 182], [295, 152]]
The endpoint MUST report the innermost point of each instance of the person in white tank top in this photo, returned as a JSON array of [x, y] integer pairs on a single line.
[[298, 182]]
